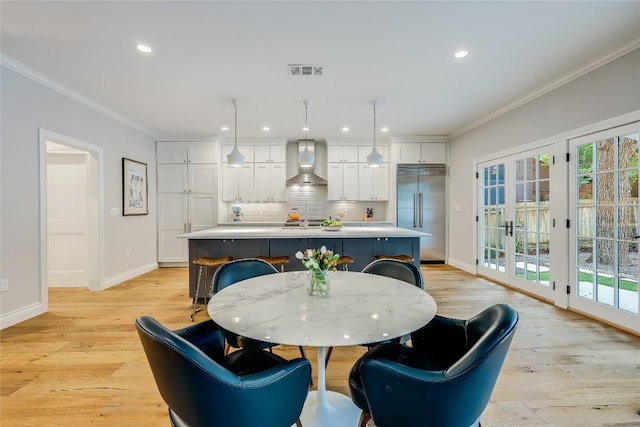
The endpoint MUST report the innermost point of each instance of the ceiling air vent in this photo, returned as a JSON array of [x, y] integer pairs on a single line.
[[305, 70]]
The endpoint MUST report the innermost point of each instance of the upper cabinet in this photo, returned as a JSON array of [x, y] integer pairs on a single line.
[[182, 167], [186, 152], [270, 154], [373, 183], [422, 152], [342, 153], [262, 177], [350, 178]]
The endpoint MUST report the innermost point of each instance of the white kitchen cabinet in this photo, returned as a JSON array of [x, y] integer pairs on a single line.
[[187, 199], [186, 178], [342, 181], [179, 214], [185, 152], [373, 183], [261, 178], [342, 154], [364, 150], [269, 183], [270, 154], [237, 182], [422, 152]]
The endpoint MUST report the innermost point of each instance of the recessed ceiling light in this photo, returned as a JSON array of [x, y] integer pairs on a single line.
[[266, 128], [461, 54], [384, 129], [345, 129], [144, 48], [225, 128], [305, 129]]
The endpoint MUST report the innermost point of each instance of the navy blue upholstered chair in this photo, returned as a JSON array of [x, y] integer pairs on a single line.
[[405, 271], [202, 387], [444, 380], [233, 272]]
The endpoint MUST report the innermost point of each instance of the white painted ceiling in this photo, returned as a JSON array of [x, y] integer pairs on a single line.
[[399, 53]]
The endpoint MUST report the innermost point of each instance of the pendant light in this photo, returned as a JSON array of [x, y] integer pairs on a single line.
[[235, 157], [306, 158], [374, 159]]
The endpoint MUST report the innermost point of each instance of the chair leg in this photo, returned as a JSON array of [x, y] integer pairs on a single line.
[[195, 299], [302, 352], [364, 419], [328, 356]]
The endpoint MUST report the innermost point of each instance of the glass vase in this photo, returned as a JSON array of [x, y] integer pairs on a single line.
[[318, 283]]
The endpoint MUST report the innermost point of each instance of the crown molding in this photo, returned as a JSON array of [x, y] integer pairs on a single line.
[[629, 47], [420, 138], [30, 73]]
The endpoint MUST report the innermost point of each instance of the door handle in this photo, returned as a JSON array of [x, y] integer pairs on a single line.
[[420, 209], [415, 210], [508, 228]]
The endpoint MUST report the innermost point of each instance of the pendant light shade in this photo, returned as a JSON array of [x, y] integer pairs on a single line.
[[235, 157], [374, 159], [306, 157]]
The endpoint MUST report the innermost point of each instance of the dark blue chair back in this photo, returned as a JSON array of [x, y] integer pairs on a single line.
[[241, 269], [201, 392], [446, 388], [407, 272]]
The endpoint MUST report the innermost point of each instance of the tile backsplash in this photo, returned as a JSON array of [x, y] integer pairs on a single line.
[[315, 200]]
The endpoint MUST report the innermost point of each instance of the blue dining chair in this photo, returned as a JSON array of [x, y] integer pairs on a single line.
[[233, 272], [445, 379], [204, 388]]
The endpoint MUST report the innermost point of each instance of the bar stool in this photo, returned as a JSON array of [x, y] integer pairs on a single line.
[[403, 258], [344, 261], [210, 264], [276, 261]]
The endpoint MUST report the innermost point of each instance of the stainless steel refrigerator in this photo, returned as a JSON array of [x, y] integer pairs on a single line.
[[421, 206]]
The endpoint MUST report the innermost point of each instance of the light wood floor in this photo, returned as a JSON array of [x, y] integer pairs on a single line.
[[82, 364]]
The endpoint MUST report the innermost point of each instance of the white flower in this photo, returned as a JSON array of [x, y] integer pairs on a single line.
[[323, 249], [299, 255]]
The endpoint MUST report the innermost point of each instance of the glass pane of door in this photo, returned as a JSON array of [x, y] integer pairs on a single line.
[[532, 228], [492, 218], [606, 212]]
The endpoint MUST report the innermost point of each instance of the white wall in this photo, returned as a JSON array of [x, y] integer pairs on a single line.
[[606, 92], [27, 106]]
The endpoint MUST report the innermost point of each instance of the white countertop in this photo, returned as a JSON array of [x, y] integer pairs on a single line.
[[257, 232]]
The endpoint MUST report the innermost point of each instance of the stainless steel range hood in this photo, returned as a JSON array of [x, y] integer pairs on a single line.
[[306, 176]]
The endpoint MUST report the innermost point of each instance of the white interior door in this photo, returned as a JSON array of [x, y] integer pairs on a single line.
[[603, 196], [67, 216]]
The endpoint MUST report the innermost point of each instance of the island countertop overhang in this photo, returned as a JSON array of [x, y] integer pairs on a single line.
[[253, 232]]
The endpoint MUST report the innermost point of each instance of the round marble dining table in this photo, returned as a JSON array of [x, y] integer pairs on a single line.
[[361, 308]]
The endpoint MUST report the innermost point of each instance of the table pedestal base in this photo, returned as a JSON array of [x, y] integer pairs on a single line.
[[335, 410]]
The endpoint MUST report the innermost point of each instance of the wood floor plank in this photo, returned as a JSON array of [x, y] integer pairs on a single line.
[[82, 363]]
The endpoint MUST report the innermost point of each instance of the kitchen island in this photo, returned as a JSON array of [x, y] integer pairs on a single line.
[[362, 243]]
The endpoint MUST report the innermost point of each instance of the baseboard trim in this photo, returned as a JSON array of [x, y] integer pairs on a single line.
[[127, 275], [469, 268], [22, 314]]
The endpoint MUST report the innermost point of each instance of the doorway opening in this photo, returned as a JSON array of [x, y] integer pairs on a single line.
[[72, 222]]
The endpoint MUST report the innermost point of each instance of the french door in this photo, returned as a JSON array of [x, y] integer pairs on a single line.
[[603, 195], [514, 221]]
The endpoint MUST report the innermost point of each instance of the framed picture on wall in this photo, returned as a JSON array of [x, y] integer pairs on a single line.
[[135, 188]]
